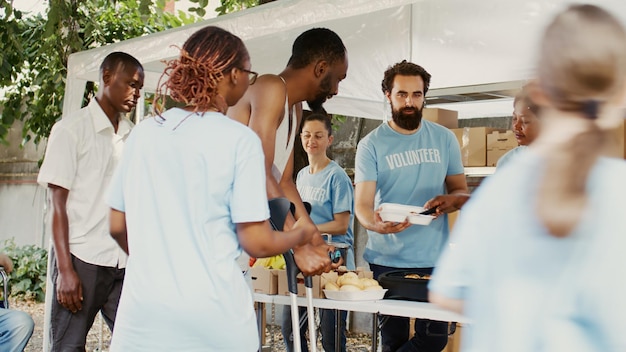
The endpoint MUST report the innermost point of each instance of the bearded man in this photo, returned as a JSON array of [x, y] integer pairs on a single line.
[[416, 162]]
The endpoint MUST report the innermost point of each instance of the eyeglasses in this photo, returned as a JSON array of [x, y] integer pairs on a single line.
[[251, 75]]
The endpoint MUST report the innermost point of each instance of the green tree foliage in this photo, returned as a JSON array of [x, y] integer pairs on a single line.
[[34, 51], [228, 6]]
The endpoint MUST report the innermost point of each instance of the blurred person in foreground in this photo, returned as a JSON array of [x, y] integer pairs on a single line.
[[273, 109], [410, 161], [525, 124], [188, 196], [554, 283], [16, 327]]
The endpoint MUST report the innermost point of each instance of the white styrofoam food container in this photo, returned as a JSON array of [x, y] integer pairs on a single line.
[[399, 212]]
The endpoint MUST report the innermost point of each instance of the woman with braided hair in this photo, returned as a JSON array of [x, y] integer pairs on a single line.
[[188, 196], [545, 272]]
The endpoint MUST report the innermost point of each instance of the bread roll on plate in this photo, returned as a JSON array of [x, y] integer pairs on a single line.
[[352, 282], [366, 282], [331, 286], [350, 275], [349, 288]]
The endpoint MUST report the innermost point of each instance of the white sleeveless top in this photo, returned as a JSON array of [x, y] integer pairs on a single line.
[[284, 139]]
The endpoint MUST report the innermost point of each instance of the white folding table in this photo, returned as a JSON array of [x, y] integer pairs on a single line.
[[409, 309]]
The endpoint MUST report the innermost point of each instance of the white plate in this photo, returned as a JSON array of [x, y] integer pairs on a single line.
[[398, 212], [371, 295]]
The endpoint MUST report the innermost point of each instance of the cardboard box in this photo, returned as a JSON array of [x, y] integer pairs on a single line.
[[446, 118], [620, 136], [494, 155], [473, 143], [264, 280], [454, 340], [452, 219], [318, 283], [498, 144], [503, 140]]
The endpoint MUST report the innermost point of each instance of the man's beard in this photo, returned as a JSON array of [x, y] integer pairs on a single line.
[[322, 95], [405, 120]]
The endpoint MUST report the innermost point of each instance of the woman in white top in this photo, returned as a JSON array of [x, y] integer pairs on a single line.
[[545, 272], [190, 192]]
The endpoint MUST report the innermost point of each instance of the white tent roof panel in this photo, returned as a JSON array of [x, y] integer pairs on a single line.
[[469, 47]]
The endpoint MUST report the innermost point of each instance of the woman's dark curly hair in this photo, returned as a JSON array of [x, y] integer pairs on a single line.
[[192, 78]]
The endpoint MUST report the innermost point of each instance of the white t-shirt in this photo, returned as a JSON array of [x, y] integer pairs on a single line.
[[526, 290], [184, 183], [82, 153], [330, 192]]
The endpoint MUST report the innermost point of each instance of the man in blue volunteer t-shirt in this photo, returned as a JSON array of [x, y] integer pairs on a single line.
[[414, 162]]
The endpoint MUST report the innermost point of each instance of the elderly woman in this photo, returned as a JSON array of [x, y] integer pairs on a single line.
[[525, 124]]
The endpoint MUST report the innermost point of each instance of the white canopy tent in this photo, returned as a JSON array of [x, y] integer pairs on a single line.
[[478, 52]]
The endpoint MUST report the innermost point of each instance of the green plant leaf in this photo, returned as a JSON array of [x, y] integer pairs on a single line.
[[28, 278]]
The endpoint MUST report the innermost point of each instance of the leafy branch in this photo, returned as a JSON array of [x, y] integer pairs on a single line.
[[34, 51]]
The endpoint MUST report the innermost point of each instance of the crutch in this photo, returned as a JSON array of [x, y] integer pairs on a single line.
[[279, 208], [292, 281], [292, 273]]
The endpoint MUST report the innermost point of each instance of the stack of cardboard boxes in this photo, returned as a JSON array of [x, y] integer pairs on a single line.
[[498, 144], [264, 280], [483, 146], [480, 146], [444, 117]]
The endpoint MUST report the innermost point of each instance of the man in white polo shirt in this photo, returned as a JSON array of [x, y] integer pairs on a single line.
[[82, 153]]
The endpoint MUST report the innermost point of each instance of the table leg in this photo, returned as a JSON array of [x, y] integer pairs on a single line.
[[375, 332], [260, 322], [338, 331]]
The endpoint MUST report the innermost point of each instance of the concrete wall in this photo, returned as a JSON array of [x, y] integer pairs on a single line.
[[22, 213], [22, 201]]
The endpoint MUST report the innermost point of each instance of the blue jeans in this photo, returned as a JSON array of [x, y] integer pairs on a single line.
[[430, 336], [16, 327], [287, 329], [327, 322]]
